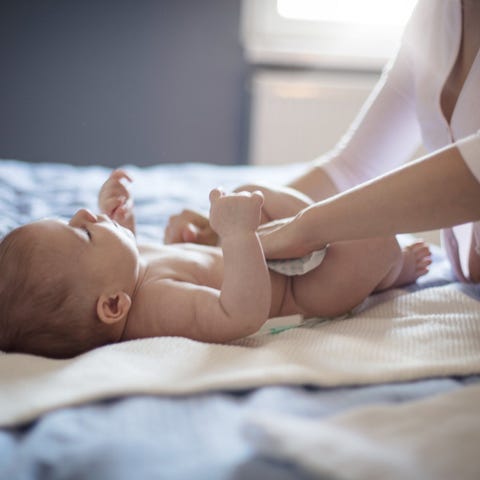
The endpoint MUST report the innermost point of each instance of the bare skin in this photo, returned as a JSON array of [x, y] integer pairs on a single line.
[[218, 294]]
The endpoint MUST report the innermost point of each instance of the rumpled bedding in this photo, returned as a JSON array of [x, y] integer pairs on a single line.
[[428, 439], [202, 434]]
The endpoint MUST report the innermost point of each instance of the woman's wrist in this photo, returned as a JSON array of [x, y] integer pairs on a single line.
[[311, 227]]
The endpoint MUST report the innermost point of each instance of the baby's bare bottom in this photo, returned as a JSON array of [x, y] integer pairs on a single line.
[[349, 273]]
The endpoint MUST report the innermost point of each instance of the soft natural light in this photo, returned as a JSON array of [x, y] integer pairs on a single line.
[[360, 12]]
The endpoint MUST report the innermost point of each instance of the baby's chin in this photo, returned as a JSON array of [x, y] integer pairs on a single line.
[[126, 234]]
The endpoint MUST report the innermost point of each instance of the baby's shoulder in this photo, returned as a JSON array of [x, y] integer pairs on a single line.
[[162, 287], [160, 307], [179, 262]]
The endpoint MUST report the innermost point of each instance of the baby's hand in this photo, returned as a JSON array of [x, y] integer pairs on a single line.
[[115, 200], [236, 212], [189, 226]]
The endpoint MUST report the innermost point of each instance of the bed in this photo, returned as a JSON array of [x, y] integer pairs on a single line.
[[390, 392]]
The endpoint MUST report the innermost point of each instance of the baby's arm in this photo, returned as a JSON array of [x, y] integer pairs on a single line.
[[246, 290], [115, 199], [241, 305]]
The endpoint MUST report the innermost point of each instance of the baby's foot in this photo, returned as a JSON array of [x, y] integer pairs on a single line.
[[415, 261]]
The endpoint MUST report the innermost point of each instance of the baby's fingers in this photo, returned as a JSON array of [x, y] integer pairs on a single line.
[[113, 204], [215, 194], [119, 173], [119, 213]]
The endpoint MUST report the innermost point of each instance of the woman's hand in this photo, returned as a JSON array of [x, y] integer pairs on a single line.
[[190, 227], [286, 238]]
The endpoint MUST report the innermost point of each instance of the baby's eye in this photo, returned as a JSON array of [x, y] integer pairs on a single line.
[[87, 231]]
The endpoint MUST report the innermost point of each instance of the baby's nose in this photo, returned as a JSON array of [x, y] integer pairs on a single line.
[[101, 217], [83, 215]]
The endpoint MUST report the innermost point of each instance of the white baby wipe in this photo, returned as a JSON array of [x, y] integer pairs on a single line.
[[298, 266]]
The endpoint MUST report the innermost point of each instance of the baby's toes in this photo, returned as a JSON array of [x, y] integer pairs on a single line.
[[420, 249], [424, 254], [422, 265]]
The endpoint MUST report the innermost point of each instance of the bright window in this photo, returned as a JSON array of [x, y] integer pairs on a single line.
[[360, 12], [352, 34]]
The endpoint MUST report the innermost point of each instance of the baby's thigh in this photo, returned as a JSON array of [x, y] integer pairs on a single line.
[[349, 273]]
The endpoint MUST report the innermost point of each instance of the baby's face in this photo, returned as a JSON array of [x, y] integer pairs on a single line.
[[92, 245]]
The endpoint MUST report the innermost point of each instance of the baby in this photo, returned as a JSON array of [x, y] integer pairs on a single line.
[[69, 287]]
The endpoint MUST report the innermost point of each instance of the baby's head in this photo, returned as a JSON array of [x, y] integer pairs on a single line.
[[66, 288]]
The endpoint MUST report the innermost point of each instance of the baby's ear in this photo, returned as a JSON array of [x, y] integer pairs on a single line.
[[113, 308]]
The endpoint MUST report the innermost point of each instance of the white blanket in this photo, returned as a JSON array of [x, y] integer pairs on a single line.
[[400, 336]]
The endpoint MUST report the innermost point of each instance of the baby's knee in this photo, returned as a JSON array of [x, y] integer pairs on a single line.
[[251, 187], [474, 256], [396, 248], [390, 249], [474, 268]]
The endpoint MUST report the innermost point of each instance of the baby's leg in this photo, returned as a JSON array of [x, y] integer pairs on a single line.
[[474, 254], [349, 273], [278, 202]]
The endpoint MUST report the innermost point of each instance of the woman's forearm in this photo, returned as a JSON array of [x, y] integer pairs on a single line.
[[436, 191]]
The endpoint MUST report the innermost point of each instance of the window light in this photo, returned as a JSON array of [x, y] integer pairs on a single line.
[[359, 12]]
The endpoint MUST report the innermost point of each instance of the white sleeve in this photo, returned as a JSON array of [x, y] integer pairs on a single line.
[[469, 148], [385, 133]]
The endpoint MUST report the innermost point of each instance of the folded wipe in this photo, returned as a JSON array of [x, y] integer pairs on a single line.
[[298, 266]]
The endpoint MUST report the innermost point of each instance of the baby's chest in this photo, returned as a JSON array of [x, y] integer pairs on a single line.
[[199, 268]]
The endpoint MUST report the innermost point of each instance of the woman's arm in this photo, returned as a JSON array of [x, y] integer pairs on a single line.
[[385, 133], [383, 136], [438, 190]]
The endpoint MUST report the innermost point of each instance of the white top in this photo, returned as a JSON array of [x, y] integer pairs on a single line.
[[404, 110]]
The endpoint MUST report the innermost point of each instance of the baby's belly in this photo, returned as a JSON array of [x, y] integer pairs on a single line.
[[283, 302]]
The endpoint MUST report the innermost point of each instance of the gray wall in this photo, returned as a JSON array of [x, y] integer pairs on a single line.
[[122, 81]]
